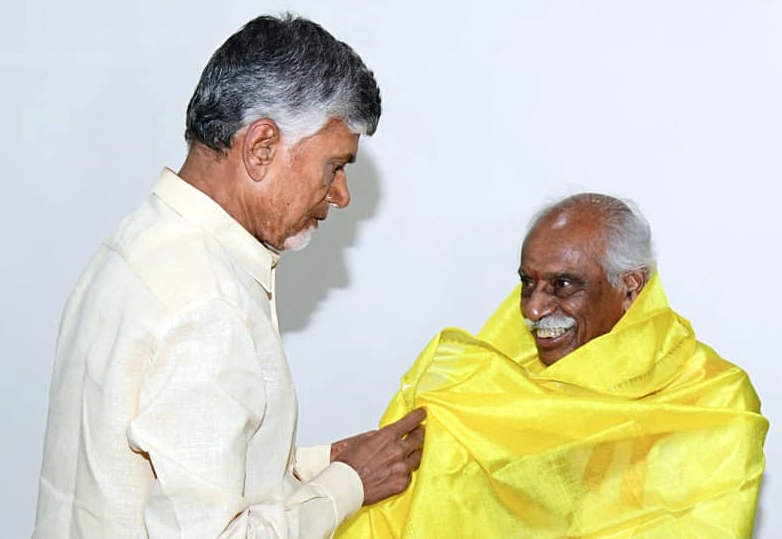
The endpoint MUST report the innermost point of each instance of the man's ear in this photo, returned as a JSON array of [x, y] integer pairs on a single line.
[[260, 143], [632, 282]]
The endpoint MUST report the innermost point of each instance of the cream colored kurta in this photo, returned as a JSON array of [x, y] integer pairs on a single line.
[[172, 411]]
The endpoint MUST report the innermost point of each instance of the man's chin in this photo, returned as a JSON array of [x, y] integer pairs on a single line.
[[550, 355], [299, 241]]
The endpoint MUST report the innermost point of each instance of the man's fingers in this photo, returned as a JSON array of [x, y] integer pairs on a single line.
[[414, 459], [384, 459], [408, 422], [414, 439]]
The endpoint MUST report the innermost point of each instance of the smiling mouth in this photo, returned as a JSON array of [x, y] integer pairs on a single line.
[[550, 333]]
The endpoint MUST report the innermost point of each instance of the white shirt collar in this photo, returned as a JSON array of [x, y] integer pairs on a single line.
[[201, 210]]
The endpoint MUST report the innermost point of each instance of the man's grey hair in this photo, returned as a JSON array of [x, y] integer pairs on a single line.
[[287, 69], [628, 237]]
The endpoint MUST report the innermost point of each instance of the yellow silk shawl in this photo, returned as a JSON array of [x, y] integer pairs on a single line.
[[643, 432]]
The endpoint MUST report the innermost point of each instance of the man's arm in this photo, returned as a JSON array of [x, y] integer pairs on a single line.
[[202, 402]]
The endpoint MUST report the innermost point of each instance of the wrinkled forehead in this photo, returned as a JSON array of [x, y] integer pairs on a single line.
[[564, 239]]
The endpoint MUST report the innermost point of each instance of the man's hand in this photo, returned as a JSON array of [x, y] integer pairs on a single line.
[[384, 458]]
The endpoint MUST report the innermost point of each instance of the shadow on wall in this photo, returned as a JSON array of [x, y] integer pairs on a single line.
[[304, 278]]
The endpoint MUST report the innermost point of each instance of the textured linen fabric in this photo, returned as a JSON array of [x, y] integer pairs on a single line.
[[172, 411], [641, 433]]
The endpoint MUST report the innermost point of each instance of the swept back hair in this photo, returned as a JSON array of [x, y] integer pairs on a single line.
[[628, 237], [287, 69]]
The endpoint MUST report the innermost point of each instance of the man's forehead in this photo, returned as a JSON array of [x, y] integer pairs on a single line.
[[558, 254], [554, 259], [566, 233], [582, 215], [332, 141]]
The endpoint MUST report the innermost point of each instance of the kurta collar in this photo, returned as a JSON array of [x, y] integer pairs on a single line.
[[198, 208]]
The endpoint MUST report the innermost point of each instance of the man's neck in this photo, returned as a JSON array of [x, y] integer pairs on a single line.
[[218, 176]]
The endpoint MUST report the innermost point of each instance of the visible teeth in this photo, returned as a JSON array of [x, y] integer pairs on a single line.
[[550, 333]]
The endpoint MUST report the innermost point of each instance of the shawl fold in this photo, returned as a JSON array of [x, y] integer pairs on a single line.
[[643, 432]]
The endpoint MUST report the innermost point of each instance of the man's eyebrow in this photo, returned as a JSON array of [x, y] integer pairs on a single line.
[[551, 275], [533, 274], [565, 275], [345, 158]]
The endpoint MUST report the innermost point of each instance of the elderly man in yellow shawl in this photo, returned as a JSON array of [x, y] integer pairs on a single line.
[[592, 411]]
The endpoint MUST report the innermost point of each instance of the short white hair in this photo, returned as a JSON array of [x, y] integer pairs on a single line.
[[627, 235]]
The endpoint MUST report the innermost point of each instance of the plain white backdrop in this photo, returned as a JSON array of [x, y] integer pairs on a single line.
[[490, 110]]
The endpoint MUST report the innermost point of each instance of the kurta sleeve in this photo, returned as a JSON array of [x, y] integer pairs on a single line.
[[201, 404], [311, 460]]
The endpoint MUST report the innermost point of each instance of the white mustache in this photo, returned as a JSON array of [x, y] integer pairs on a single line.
[[551, 322]]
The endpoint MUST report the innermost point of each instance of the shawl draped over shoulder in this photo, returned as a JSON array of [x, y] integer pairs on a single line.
[[643, 432]]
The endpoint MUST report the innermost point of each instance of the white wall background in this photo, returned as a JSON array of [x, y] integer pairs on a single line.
[[490, 109]]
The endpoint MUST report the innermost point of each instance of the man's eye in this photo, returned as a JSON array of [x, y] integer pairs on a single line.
[[526, 286], [564, 287], [332, 171]]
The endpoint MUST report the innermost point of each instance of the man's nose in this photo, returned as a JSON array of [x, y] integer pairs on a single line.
[[339, 194], [537, 305]]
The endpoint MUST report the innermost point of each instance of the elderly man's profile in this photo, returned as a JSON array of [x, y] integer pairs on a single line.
[[172, 409], [585, 407]]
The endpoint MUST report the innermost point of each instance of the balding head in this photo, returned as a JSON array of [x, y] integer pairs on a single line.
[[583, 262]]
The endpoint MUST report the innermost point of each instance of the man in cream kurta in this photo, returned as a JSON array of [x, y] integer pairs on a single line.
[[145, 357], [172, 410]]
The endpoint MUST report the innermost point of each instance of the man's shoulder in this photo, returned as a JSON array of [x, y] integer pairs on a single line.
[[716, 382], [177, 262]]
